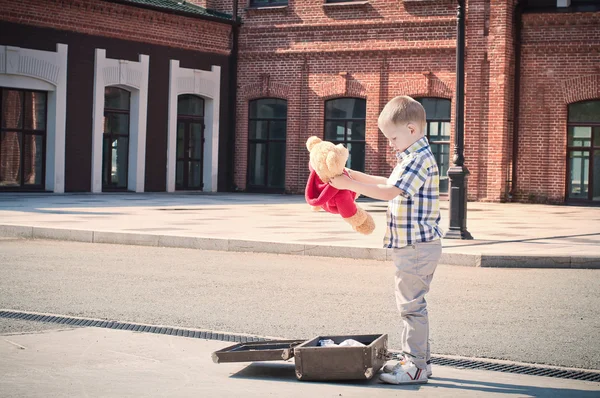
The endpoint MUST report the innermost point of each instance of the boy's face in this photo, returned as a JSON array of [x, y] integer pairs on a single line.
[[400, 136]]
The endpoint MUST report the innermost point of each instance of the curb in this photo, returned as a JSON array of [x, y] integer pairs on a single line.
[[298, 249]]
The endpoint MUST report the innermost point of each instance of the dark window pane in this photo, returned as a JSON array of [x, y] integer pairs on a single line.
[[179, 174], [116, 98], [35, 111], [196, 141], [257, 162], [356, 131], [276, 171], [578, 179], [356, 160], [116, 123], [195, 175], [106, 143], [597, 136], [441, 152], [12, 109], [278, 130], [268, 108], [334, 131], [580, 136], [180, 140], [596, 177], [120, 155], [267, 3], [33, 155], [10, 159], [259, 130], [190, 105], [346, 108], [436, 108], [585, 112]]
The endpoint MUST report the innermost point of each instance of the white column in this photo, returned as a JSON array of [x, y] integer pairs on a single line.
[[131, 76]]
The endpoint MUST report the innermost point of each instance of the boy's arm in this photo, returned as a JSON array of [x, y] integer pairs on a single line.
[[375, 191], [366, 178]]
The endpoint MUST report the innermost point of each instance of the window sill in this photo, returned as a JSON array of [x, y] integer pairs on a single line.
[[347, 4]]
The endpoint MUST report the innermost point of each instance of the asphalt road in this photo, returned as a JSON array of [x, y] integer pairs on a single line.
[[529, 315]]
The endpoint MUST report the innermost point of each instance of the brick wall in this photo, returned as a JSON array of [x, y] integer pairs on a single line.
[[308, 53], [101, 18], [560, 65]]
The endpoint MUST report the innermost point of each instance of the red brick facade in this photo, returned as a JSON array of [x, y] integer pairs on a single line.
[[309, 52], [560, 65], [101, 18]]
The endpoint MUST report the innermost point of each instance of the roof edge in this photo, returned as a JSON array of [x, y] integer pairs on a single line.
[[223, 20]]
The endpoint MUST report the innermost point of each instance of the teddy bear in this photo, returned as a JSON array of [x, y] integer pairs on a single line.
[[327, 161]]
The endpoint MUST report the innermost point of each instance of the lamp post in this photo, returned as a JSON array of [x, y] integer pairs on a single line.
[[458, 173]]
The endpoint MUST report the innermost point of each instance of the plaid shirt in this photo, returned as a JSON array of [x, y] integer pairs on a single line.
[[414, 215]]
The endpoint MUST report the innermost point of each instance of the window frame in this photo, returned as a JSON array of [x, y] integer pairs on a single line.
[[591, 150], [113, 187], [187, 121], [438, 142], [23, 131], [266, 141], [345, 141], [272, 3]]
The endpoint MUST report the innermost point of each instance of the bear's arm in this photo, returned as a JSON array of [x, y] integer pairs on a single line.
[[345, 203]]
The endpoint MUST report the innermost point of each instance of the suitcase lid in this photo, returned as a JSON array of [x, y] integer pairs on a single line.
[[272, 350]]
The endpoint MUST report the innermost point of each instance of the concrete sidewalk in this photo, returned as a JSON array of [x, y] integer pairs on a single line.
[[92, 362], [506, 235]]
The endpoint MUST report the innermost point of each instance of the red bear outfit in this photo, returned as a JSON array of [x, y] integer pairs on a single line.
[[332, 200]]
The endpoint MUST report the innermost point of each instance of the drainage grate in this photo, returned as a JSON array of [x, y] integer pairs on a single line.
[[477, 364], [459, 363], [134, 327]]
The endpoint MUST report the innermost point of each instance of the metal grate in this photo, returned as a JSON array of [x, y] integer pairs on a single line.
[[238, 338], [478, 364]]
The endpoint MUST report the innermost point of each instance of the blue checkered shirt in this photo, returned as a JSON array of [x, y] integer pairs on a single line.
[[414, 215]]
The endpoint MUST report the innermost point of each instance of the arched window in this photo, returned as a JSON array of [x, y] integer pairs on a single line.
[[583, 151], [438, 134], [22, 139], [345, 124], [267, 131], [190, 143], [115, 140]]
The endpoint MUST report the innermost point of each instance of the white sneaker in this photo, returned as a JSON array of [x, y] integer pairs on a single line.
[[406, 374], [391, 368]]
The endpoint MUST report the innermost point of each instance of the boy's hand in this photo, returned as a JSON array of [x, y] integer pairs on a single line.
[[341, 182]]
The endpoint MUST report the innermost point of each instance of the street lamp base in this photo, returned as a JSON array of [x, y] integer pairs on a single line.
[[458, 234]]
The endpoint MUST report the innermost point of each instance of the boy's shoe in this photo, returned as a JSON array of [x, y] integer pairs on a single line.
[[391, 368], [406, 374]]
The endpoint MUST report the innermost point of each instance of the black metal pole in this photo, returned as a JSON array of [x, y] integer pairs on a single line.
[[458, 173], [233, 64]]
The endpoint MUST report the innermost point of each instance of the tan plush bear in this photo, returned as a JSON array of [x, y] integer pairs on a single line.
[[326, 161]]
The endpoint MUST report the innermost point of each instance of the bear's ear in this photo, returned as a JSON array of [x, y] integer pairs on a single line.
[[312, 141]]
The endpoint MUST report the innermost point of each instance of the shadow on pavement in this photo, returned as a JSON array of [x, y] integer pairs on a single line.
[[520, 390], [286, 373]]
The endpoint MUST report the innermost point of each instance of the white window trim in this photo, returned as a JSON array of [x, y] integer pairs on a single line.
[[133, 77], [206, 84], [29, 69]]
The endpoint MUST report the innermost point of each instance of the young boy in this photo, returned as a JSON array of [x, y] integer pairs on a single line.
[[413, 230]]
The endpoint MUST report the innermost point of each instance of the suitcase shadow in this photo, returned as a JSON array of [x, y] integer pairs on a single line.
[[286, 372]]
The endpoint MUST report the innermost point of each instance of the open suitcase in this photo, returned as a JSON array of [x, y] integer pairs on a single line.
[[314, 362]]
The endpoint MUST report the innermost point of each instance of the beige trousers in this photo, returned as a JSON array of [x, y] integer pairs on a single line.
[[415, 265]]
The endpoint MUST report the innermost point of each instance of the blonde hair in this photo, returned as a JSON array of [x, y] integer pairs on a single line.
[[403, 109]]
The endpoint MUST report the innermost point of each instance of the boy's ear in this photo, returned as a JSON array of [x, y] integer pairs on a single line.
[[412, 127]]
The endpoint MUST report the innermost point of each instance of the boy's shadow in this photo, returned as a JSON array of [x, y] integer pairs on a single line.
[[286, 373]]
